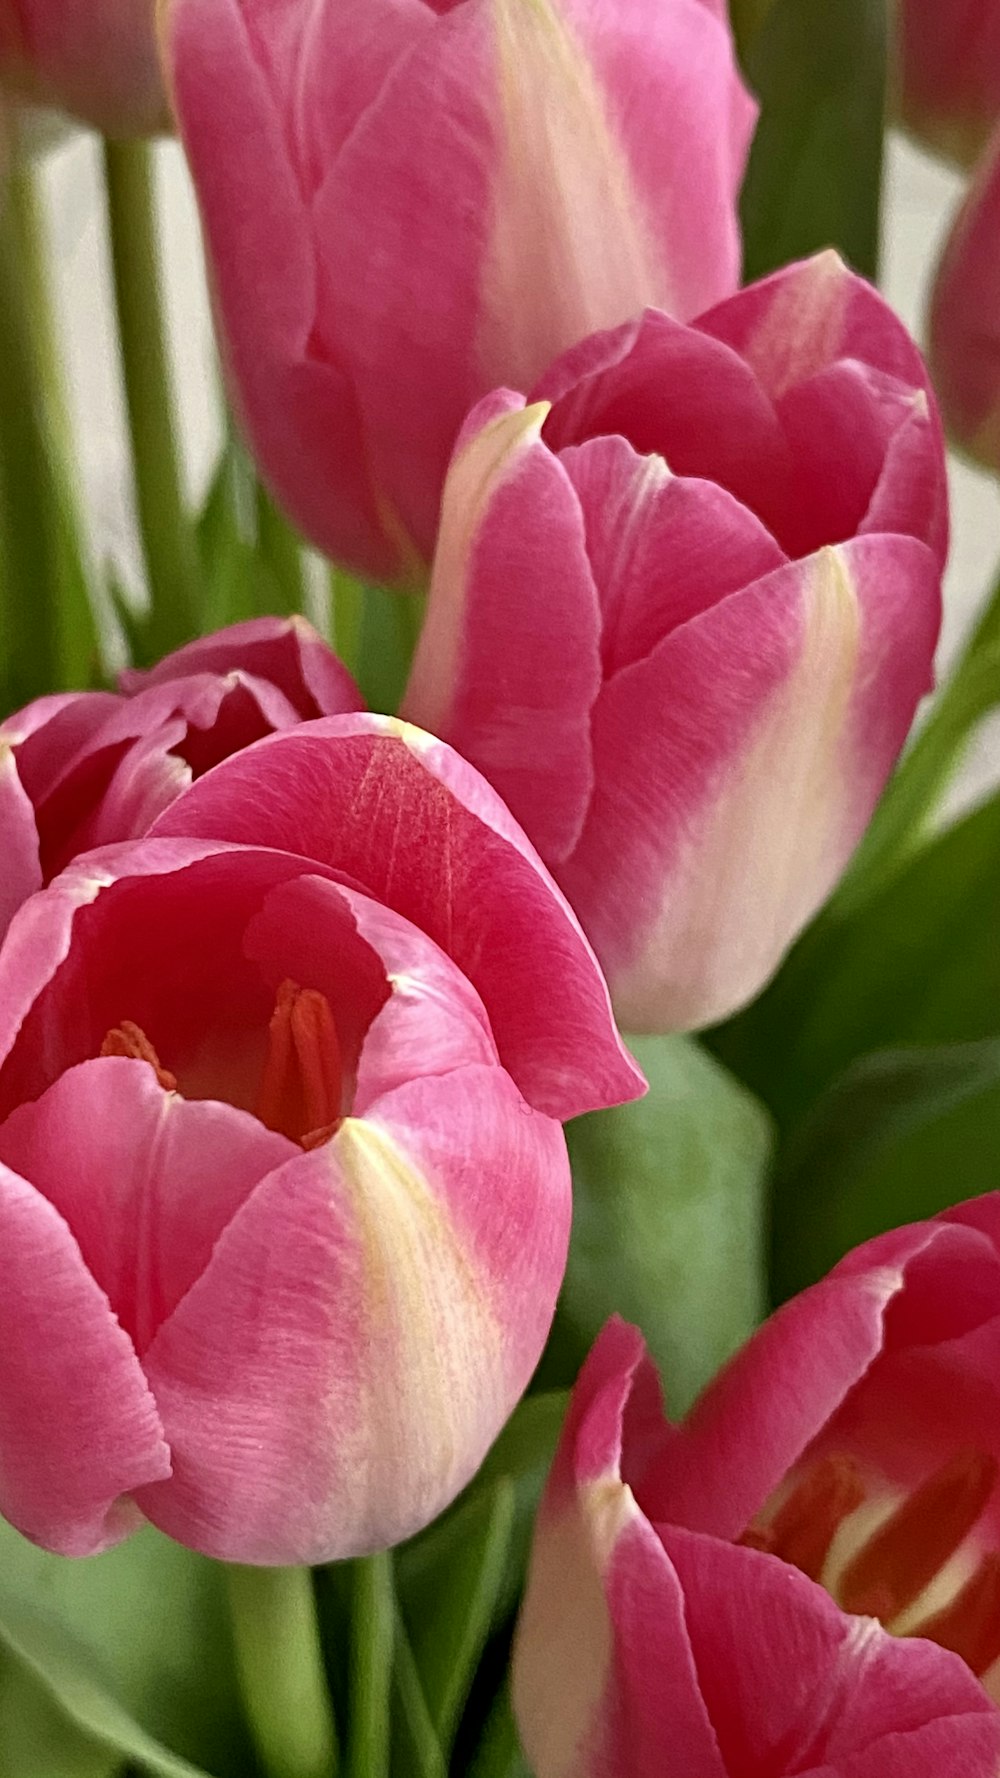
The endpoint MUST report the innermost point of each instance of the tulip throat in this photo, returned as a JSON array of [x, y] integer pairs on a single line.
[[895, 1564], [301, 1084]]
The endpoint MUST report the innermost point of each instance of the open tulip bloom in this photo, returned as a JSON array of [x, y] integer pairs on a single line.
[[555, 322]]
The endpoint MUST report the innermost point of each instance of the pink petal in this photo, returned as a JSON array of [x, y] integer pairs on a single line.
[[964, 325], [97, 60], [285, 651], [145, 1180], [78, 1426], [736, 768], [298, 403], [393, 1288], [949, 78], [494, 670], [406, 819], [19, 838], [791, 1681], [48, 734]]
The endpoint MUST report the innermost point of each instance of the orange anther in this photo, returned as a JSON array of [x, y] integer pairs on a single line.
[[804, 1527], [905, 1554], [300, 1087], [129, 1039]]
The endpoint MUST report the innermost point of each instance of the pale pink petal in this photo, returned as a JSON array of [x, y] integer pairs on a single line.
[[736, 769], [22, 873], [362, 1331], [285, 651], [145, 1180], [78, 1426], [511, 585], [406, 819]]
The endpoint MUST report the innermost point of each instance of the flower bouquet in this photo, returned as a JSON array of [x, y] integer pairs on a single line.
[[499, 1005]]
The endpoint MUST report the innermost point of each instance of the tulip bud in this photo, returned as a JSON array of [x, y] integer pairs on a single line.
[[407, 206], [95, 58], [965, 318], [949, 72], [682, 611], [717, 1596]]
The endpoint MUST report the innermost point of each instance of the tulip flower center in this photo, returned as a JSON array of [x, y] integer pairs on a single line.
[[886, 1574], [301, 1082]]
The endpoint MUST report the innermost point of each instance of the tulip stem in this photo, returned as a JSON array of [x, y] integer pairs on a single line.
[[280, 1665], [168, 538], [347, 602], [281, 552], [373, 1630]]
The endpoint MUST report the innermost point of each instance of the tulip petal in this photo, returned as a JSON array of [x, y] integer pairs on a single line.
[[145, 1180], [369, 1288], [511, 523], [285, 652], [403, 817], [295, 395], [791, 1681], [22, 873], [784, 754], [964, 325], [78, 1426]]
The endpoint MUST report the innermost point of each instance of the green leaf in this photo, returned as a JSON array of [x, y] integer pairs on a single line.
[[37, 1740], [814, 177], [451, 1628], [499, 1752], [668, 1218], [917, 962], [390, 624], [133, 1646], [901, 1135]]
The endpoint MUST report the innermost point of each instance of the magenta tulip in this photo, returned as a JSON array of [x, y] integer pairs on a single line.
[[949, 72], [95, 58], [408, 202], [682, 611], [284, 1197], [965, 318], [84, 769], [714, 1598]]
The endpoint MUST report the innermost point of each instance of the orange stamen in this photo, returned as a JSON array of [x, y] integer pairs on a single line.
[[803, 1529], [301, 1083], [129, 1039], [902, 1558]]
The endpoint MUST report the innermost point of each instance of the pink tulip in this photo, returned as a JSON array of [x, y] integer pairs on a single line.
[[682, 610], [86, 768], [95, 58], [709, 1598], [408, 202], [965, 318], [949, 72], [284, 1198]]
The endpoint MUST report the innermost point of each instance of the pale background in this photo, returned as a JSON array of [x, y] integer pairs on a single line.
[[921, 198]]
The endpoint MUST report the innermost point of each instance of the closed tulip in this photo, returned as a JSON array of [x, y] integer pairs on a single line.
[[95, 58], [965, 318], [82, 769], [683, 608], [284, 1197], [408, 202], [803, 1577], [949, 72]]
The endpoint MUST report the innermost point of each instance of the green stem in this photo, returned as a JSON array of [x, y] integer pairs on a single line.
[[902, 817], [281, 550], [347, 604], [280, 1665], [373, 1626], [167, 533]]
